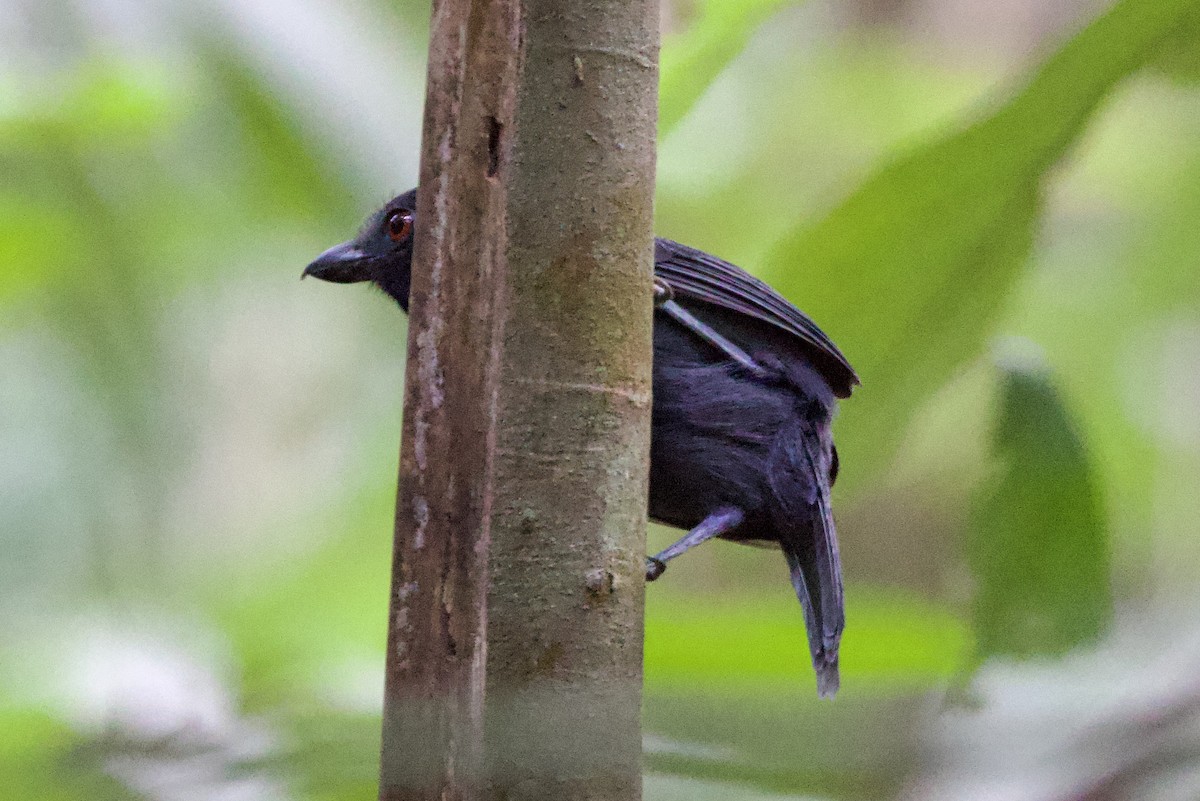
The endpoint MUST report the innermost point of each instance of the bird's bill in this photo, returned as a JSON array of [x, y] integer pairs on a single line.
[[341, 264]]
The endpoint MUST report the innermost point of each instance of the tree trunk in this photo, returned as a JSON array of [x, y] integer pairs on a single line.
[[515, 633]]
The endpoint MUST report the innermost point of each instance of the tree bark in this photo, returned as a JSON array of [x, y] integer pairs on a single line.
[[515, 630]]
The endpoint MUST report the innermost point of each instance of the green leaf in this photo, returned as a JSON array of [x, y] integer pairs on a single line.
[[908, 274], [1038, 543], [1180, 57], [692, 60]]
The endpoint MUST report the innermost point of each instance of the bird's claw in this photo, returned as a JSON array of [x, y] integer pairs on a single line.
[[654, 568], [662, 292]]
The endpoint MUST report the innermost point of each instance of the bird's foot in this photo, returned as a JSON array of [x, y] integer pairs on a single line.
[[654, 568], [662, 292]]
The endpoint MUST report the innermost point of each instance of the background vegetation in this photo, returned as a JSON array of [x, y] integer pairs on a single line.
[[992, 209]]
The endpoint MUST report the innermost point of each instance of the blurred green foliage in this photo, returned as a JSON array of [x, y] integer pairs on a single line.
[[1039, 547], [1180, 56], [749, 644], [692, 58], [197, 455], [935, 240]]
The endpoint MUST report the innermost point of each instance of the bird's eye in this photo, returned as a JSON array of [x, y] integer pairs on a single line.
[[399, 225]]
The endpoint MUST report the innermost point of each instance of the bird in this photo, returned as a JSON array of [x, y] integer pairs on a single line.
[[744, 392]]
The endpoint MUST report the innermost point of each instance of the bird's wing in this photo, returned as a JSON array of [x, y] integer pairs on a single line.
[[695, 275]]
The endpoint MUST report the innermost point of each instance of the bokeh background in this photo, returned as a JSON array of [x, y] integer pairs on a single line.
[[992, 207]]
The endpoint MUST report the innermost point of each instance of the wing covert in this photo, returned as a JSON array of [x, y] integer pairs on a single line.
[[696, 275]]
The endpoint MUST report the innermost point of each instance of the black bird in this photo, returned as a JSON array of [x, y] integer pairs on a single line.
[[745, 389]]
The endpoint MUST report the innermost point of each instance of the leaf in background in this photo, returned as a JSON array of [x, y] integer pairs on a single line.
[[1180, 57], [910, 271], [1038, 544], [102, 104], [692, 60], [291, 170]]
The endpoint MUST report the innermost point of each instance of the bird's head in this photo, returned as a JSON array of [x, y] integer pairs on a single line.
[[381, 253]]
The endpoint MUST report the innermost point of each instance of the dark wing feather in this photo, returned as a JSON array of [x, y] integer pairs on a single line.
[[693, 274]]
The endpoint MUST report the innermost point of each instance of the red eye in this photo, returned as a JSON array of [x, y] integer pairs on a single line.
[[399, 225]]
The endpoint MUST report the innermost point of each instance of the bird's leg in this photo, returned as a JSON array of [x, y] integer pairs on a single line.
[[664, 298], [662, 291], [720, 522]]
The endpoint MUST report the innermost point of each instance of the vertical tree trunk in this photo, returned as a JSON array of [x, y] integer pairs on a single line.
[[515, 637]]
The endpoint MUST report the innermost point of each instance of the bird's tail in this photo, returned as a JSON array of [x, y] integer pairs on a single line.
[[804, 522]]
